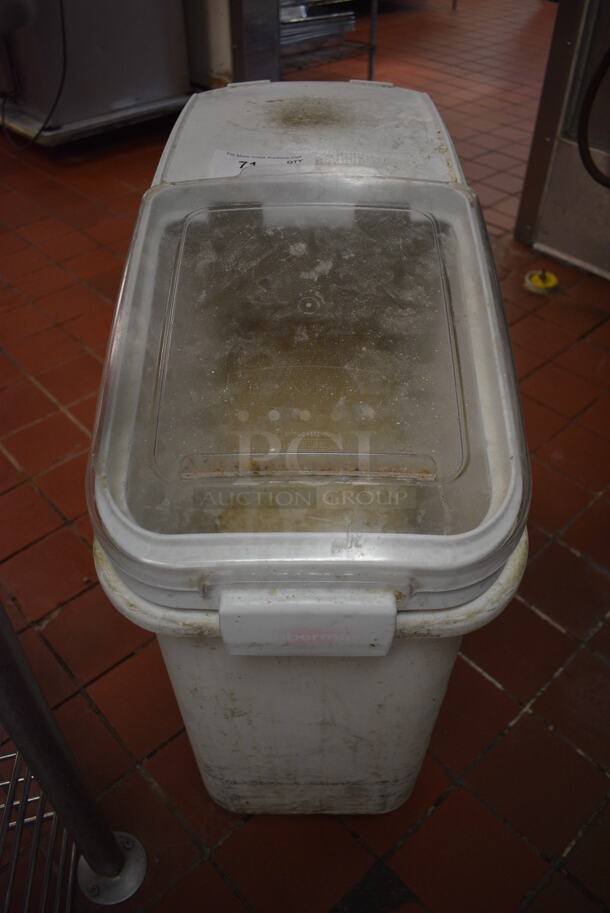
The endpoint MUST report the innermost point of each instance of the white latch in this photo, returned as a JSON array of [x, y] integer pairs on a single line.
[[312, 621]]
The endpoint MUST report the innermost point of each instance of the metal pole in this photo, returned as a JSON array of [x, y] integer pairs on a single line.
[[373, 38], [255, 39], [32, 726]]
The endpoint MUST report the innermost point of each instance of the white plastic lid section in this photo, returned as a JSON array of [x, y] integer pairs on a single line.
[[309, 379]]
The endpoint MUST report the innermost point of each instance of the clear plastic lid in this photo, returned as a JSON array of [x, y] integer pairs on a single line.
[[305, 360]]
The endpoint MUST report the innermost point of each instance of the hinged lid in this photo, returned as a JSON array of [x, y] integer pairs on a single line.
[[320, 357], [301, 342]]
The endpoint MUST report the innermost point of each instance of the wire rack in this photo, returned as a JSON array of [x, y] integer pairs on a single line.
[[37, 855]]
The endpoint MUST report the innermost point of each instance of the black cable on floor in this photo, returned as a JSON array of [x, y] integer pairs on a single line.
[[583, 122]]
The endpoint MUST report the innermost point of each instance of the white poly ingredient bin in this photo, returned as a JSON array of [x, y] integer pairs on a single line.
[[309, 474]]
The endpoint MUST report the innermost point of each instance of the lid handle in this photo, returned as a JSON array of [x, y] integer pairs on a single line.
[[307, 621]]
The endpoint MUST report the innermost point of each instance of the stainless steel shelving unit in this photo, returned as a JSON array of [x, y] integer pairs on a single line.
[[318, 20]]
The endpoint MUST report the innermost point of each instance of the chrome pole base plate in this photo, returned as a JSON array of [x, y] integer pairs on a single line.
[[112, 890]]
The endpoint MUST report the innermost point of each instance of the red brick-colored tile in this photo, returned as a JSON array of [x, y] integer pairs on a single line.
[[513, 287], [504, 181], [120, 248], [525, 361], [43, 350], [26, 516], [494, 231], [70, 303], [175, 770], [54, 682], [9, 474], [111, 229], [64, 486], [600, 642], [381, 832], [18, 210], [473, 713], [497, 160], [589, 534], [44, 282], [581, 455], [91, 264], [540, 784], [571, 316], [38, 232], [475, 171], [555, 499], [577, 702], [488, 196], [597, 418], [560, 390], [21, 404], [91, 636], [65, 246], [133, 806], [84, 529], [203, 882], [538, 540], [588, 861], [592, 290], [519, 649], [10, 243], [20, 323], [517, 256], [519, 170], [76, 210], [541, 423], [16, 616], [108, 284], [498, 219], [540, 337], [41, 445], [561, 896], [92, 327], [566, 588], [9, 373], [100, 758], [9, 299], [484, 865], [21, 263], [49, 573], [601, 336], [286, 857], [518, 150], [150, 716], [73, 380], [84, 411], [126, 204], [98, 186]]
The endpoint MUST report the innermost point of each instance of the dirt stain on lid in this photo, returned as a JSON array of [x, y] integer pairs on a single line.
[[309, 111]]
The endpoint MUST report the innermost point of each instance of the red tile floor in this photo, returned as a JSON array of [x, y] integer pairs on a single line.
[[509, 813]]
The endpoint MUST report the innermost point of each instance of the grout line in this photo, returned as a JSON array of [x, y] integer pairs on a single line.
[[557, 867], [546, 618], [59, 407], [481, 671]]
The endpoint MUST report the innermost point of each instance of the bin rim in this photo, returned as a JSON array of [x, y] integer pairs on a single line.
[[452, 622]]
